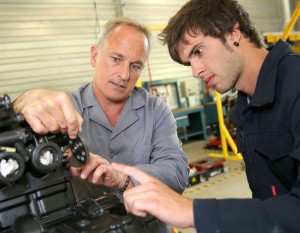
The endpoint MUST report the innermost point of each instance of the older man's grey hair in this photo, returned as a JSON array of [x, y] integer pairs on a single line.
[[113, 23]]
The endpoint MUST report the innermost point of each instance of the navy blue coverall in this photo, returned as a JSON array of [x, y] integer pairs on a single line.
[[268, 136]]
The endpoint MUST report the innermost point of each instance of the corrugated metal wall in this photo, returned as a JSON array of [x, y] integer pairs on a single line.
[[46, 43]]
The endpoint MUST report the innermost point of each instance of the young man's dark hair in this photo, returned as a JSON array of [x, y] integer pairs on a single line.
[[212, 18]]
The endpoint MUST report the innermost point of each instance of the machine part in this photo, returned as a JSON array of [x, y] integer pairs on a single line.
[[38, 195], [47, 157], [106, 223], [12, 167], [91, 207], [7, 115], [225, 136], [109, 203], [27, 224], [9, 138], [226, 169], [79, 149], [204, 177], [5, 105]]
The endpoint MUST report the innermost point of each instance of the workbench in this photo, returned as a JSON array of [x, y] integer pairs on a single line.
[[190, 122]]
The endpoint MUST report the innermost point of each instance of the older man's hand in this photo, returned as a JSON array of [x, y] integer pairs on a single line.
[[49, 111]]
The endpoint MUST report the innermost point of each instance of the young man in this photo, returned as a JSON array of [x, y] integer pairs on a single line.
[[217, 39], [120, 122]]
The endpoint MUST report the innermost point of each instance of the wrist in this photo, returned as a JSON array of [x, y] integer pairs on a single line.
[[191, 220], [125, 186]]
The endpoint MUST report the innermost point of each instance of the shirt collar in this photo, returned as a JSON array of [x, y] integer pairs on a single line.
[[266, 82], [134, 101]]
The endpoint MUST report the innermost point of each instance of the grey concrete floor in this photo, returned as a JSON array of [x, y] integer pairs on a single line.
[[232, 184]]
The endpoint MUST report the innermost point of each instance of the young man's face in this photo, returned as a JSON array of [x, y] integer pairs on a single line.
[[216, 63], [118, 63]]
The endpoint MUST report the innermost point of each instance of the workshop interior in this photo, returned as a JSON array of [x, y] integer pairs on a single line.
[[45, 44]]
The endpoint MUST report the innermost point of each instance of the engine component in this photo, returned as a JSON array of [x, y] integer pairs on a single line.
[[36, 192]]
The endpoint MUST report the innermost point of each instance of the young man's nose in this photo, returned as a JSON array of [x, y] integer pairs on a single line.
[[197, 69]]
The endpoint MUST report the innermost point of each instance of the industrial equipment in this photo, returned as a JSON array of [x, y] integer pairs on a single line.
[[36, 193], [226, 138], [293, 38], [206, 168]]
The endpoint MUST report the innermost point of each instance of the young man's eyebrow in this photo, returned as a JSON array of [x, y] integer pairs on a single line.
[[192, 51]]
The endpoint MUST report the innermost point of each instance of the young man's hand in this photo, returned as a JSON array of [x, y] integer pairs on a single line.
[[155, 198]]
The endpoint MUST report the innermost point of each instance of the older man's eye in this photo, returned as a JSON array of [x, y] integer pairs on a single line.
[[136, 67], [116, 59]]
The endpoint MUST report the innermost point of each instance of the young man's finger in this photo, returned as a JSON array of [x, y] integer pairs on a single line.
[[137, 174]]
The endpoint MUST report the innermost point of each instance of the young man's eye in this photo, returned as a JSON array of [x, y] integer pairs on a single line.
[[198, 51]]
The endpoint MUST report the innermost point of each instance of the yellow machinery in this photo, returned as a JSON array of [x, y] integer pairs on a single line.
[[225, 136], [292, 38]]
